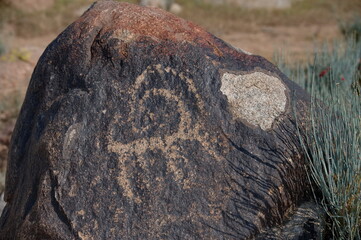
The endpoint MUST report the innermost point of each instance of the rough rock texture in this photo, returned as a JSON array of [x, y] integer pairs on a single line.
[[256, 97], [132, 128]]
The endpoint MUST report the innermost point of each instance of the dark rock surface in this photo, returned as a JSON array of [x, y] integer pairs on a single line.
[[141, 125]]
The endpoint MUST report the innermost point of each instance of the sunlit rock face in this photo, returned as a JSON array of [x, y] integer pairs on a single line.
[[140, 125]]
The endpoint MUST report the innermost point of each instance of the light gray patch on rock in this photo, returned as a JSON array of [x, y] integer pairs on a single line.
[[2, 203], [70, 137], [257, 98], [243, 51]]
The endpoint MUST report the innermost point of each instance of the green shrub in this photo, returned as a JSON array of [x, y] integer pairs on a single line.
[[332, 145], [332, 68], [332, 142]]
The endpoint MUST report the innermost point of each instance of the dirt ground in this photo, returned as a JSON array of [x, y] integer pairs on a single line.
[[297, 42]]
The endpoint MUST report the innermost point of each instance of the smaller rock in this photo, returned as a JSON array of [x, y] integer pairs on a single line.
[[78, 12], [175, 8], [165, 4], [168, 5]]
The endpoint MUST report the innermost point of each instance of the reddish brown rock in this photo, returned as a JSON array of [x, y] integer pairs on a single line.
[[140, 125]]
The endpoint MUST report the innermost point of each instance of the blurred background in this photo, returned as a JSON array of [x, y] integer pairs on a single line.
[[292, 28]]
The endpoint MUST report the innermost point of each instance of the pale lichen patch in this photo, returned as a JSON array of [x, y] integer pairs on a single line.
[[256, 98]]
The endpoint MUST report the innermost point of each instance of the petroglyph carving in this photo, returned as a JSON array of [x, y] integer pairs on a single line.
[[185, 129]]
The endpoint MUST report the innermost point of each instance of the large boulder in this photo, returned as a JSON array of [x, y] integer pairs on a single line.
[[140, 125]]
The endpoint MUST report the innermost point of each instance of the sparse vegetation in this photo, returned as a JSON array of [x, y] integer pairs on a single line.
[[16, 54], [2, 47], [10, 106], [9, 110], [332, 143], [352, 29]]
